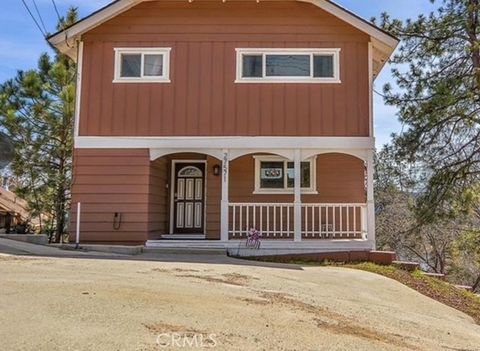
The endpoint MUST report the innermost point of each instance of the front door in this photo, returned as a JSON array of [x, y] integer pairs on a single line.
[[189, 198]]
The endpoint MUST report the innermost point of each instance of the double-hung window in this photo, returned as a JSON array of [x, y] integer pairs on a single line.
[[288, 66], [275, 174], [142, 65]]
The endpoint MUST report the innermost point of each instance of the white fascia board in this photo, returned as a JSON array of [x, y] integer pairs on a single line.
[[120, 6], [348, 17], [227, 142], [93, 21]]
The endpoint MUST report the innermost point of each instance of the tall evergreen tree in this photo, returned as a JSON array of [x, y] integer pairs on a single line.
[[437, 74], [37, 113]]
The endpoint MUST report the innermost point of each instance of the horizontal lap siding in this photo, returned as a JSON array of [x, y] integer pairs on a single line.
[[202, 98], [158, 199], [104, 183], [109, 181], [214, 196], [340, 179]]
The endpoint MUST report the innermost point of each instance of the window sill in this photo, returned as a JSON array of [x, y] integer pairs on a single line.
[[116, 81], [284, 192], [287, 81]]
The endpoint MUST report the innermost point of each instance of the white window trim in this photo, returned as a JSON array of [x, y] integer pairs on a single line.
[[164, 78], [268, 158], [287, 51]]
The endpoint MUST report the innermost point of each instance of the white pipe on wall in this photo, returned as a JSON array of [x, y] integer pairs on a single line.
[[77, 237]]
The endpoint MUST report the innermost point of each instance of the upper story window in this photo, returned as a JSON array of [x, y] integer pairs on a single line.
[[288, 66], [142, 65]]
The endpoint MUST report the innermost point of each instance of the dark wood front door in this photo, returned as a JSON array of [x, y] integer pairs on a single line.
[[189, 198]]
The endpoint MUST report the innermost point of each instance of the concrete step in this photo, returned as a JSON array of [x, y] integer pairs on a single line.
[[187, 251], [184, 244], [183, 237]]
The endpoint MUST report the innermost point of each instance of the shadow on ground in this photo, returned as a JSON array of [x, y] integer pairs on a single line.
[[16, 248]]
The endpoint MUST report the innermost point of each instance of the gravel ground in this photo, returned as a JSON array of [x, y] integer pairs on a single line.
[[119, 304]]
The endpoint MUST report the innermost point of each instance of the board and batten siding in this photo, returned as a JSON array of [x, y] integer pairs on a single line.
[[202, 98]]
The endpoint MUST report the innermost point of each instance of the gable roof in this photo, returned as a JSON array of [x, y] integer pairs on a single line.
[[383, 43]]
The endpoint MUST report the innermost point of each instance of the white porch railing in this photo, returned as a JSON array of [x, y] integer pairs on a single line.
[[319, 221], [273, 220], [334, 221]]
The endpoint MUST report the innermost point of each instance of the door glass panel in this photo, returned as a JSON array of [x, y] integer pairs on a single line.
[[189, 189], [198, 215], [288, 65], [180, 214], [188, 214], [198, 189], [190, 171], [180, 189]]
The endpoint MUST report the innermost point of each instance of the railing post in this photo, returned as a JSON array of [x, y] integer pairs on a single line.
[[364, 220], [224, 203], [370, 199], [297, 203]]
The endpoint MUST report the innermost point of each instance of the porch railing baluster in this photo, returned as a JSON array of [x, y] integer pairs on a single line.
[[333, 221]]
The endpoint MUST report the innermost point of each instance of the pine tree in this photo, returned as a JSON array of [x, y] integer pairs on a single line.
[[37, 113], [437, 75]]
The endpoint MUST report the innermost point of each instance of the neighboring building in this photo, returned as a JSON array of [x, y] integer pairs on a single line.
[[204, 119], [13, 211]]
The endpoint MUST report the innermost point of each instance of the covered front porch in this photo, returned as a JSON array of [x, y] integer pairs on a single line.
[[297, 198], [314, 192]]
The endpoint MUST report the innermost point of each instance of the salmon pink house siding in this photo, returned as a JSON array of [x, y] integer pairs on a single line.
[[205, 123], [203, 98]]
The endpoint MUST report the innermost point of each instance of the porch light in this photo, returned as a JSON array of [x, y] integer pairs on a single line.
[[216, 170]]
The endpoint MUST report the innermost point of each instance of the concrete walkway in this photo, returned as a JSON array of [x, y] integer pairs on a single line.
[[185, 256], [9, 246], [135, 303]]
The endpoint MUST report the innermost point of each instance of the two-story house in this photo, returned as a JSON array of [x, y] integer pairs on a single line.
[[197, 121]]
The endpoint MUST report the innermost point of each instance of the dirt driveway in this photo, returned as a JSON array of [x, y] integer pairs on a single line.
[[218, 303]]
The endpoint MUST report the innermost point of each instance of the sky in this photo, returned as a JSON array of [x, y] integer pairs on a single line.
[[21, 42]]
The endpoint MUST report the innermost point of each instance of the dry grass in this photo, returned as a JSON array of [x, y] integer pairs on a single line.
[[439, 290], [434, 288]]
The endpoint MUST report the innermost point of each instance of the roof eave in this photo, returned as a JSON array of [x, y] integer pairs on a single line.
[[93, 20], [66, 40]]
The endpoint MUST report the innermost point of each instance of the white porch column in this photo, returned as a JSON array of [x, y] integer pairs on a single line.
[[224, 203], [297, 203], [370, 199]]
